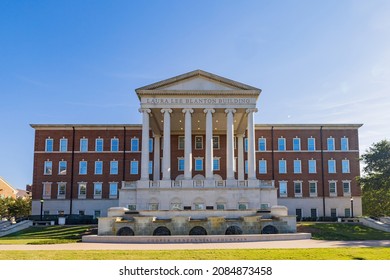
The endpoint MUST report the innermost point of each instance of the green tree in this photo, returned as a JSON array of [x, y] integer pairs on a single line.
[[15, 207], [376, 180]]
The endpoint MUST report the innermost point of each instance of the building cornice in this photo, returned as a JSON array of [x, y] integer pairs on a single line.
[[85, 126], [308, 126]]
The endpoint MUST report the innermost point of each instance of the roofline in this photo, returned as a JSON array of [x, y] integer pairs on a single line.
[[70, 126], [309, 126]]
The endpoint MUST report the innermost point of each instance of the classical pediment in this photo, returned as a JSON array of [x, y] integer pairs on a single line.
[[197, 81]]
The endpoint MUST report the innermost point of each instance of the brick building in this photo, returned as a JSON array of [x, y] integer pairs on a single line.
[[197, 149]]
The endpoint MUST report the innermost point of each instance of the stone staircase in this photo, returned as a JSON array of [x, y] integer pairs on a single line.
[[383, 224], [8, 228]]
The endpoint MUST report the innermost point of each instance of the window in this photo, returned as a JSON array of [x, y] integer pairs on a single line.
[[113, 190], [46, 190], [83, 167], [298, 188], [216, 165], [347, 212], [84, 145], [330, 144], [245, 144], [262, 144], [114, 167], [297, 144], [150, 167], [262, 166], [98, 167], [199, 206], [331, 166], [297, 166], [97, 214], [283, 189], [180, 164], [313, 213], [61, 190], [62, 167], [281, 144], [132, 207], [153, 206], [198, 142], [99, 145], [198, 164], [82, 190], [114, 145], [49, 145], [220, 206], [312, 166], [282, 166], [345, 166], [347, 187], [81, 212], [344, 144], [97, 190], [48, 168], [313, 188], [63, 145], [150, 145], [298, 213], [134, 167], [311, 144], [134, 145], [215, 142], [246, 166], [242, 206], [333, 212], [181, 141], [332, 188]]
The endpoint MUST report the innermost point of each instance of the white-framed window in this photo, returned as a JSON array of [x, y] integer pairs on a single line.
[[132, 207], [113, 190], [61, 190], [297, 166], [150, 145], [330, 144], [62, 166], [281, 144], [282, 166], [83, 145], [97, 190], [298, 188], [49, 143], [312, 166], [99, 145], [134, 145], [333, 212], [242, 206], [347, 212], [331, 166], [215, 142], [114, 145], [97, 214], [344, 144], [153, 206], [46, 190], [283, 188], [114, 167], [199, 206], [98, 167], [198, 164], [296, 144], [262, 143], [180, 164], [220, 206], [216, 165], [63, 145], [313, 188], [313, 213], [134, 167], [150, 167], [48, 167], [311, 144], [298, 213], [332, 188], [82, 194], [262, 166], [198, 142], [347, 188], [345, 166], [83, 167], [181, 142]]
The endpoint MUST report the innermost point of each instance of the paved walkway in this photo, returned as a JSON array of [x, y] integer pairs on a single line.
[[308, 243]]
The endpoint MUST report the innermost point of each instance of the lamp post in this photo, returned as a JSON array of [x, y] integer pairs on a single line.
[[351, 207], [42, 201]]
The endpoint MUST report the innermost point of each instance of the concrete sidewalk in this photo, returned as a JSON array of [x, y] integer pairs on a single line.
[[308, 243]]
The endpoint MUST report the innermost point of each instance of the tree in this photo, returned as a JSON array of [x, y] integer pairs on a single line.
[[376, 180], [15, 207]]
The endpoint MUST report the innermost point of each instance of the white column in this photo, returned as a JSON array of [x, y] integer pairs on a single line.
[[188, 144], [145, 144], [229, 143], [240, 159], [156, 159], [251, 145], [209, 143], [166, 164]]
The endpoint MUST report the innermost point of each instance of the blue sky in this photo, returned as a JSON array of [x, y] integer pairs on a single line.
[[80, 61]]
